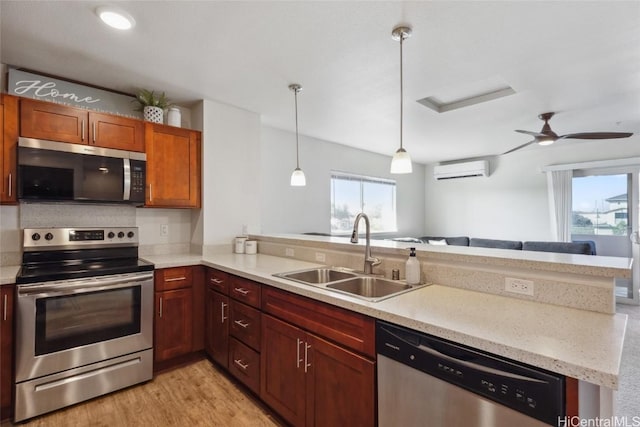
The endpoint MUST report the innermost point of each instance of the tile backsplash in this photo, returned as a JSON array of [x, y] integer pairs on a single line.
[[150, 222]]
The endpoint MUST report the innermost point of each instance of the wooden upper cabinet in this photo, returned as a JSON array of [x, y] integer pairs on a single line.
[[55, 122], [9, 147], [173, 166], [121, 133]]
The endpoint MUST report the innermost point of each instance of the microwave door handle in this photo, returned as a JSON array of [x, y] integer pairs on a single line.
[[127, 179]]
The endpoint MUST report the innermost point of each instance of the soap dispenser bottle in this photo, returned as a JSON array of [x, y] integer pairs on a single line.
[[412, 268]]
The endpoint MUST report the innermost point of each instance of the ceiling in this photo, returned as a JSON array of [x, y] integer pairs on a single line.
[[580, 59]]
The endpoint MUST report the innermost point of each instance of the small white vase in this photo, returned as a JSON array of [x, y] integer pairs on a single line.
[[174, 117], [153, 114]]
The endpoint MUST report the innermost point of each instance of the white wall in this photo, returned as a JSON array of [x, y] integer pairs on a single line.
[[230, 173], [287, 209], [512, 203]]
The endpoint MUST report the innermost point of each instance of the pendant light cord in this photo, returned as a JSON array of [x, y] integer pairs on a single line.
[[295, 92], [401, 88]]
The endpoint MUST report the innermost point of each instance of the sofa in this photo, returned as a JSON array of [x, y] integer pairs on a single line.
[[583, 247]]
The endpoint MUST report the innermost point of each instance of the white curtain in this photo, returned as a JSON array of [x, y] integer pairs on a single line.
[[559, 189]]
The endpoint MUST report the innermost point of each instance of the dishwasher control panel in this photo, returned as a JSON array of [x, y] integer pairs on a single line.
[[532, 391]]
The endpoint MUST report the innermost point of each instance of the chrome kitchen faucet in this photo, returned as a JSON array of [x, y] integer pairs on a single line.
[[369, 261]]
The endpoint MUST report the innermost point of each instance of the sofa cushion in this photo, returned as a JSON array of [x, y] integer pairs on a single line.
[[562, 247], [442, 242], [407, 240], [455, 241], [492, 243]]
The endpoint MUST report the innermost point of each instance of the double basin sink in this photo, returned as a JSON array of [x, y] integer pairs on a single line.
[[370, 288]]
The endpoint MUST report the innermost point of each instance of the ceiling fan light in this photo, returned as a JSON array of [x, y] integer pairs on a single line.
[[401, 162], [546, 141], [297, 178]]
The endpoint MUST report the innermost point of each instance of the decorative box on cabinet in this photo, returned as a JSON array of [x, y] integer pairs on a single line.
[[9, 147], [55, 122], [312, 380], [173, 166]]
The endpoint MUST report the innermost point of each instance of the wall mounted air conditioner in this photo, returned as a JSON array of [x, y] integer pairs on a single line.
[[461, 170]]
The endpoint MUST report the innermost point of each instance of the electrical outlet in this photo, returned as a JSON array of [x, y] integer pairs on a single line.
[[289, 252], [164, 230], [320, 257], [518, 286]]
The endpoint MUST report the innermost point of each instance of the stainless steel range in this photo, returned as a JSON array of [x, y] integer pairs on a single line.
[[84, 322]]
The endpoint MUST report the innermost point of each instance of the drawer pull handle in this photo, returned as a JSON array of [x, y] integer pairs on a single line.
[[243, 291], [4, 315], [222, 316], [160, 308], [217, 281], [240, 364], [242, 323], [82, 136], [94, 132], [10, 185], [175, 279]]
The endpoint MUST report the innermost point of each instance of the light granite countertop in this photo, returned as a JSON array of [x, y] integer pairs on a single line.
[[581, 344], [577, 343]]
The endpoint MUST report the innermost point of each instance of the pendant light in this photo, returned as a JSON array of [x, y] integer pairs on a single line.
[[401, 162], [297, 177]]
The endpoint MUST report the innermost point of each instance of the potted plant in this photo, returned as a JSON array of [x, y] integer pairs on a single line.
[[152, 105]]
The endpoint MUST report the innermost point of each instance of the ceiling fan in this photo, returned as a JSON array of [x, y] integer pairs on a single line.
[[547, 137]]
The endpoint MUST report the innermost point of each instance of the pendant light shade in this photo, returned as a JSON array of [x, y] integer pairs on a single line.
[[401, 162], [297, 177]]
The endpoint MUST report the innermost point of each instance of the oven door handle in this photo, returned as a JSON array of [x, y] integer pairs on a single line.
[[83, 286]]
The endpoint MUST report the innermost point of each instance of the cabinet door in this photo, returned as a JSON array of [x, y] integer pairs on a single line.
[[6, 346], [282, 384], [340, 386], [173, 166], [9, 147], [55, 122], [217, 327], [121, 133], [173, 329]]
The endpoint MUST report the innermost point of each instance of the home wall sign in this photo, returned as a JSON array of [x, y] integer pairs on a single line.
[[30, 85]]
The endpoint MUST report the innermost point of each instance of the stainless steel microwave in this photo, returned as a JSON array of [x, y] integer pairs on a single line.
[[58, 171]]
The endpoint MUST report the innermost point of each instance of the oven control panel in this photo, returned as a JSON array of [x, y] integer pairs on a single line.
[[41, 238]]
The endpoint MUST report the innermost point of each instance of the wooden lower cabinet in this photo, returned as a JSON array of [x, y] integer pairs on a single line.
[[173, 327], [6, 351], [244, 364], [217, 326], [313, 382]]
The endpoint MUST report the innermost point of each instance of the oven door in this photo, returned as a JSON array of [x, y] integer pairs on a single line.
[[67, 324]]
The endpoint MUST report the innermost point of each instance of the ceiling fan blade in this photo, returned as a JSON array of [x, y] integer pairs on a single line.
[[520, 146], [536, 134], [596, 135]]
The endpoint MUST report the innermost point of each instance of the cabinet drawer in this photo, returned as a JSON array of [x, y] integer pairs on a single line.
[[173, 278], [353, 330], [245, 324], [244, 364], [218, 280], [245, 290]]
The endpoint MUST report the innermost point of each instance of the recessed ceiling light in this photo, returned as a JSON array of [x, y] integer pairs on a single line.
[[116, 18]]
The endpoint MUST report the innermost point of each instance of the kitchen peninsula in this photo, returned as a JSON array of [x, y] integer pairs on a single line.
[[573, 331]]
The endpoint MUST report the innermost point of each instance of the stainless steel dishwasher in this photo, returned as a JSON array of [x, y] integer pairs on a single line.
[[430, 382]]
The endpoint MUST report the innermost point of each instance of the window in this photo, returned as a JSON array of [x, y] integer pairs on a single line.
[[352, 194], [600, 205]]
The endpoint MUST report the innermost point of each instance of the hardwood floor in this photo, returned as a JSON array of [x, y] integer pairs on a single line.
[[193, 395]]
